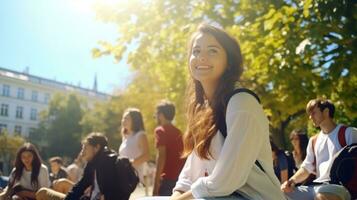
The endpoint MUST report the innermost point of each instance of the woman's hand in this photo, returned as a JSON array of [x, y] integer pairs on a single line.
[[288, 186], [179, 196]]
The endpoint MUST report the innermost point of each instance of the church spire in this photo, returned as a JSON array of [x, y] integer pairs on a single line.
[[95, 83]]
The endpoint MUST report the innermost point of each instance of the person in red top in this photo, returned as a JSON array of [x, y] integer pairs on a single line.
[[169, 146]]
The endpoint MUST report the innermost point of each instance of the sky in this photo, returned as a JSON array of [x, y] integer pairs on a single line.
[[54, 39]]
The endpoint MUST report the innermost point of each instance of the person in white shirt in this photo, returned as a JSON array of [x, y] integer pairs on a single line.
[[320, 152], [217, 166], [75, 170], [135, 145], [28, 175]]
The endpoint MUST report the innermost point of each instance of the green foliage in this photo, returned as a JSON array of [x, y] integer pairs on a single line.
[[105, 118], [294, 51], [60, 132], [9, 144], [8, 148]]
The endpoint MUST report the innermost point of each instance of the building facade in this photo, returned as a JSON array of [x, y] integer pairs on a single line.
[[24, 96]]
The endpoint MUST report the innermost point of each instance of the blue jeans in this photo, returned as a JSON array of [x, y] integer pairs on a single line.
[[309, 192]]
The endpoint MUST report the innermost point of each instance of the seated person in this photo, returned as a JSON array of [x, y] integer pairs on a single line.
[[57, 170], [280, 163], [28, 175], [98, 174], [320, 152], [75, 170]]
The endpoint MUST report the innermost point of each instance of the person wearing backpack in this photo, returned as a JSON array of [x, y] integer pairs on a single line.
[[321, 150], [102, 175], [227, 138]]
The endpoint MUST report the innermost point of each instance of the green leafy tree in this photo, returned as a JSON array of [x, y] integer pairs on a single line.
[[105, 118], [293, 50], [60, 130], [8, 148]]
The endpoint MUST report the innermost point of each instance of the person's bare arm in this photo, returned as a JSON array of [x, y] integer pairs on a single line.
[[145, 156], [300, 176], [284, 175], [160, 163]]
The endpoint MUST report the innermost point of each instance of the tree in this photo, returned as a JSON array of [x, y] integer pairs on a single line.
[[8, 148], [60, 130], [294, 51], [105, 118]]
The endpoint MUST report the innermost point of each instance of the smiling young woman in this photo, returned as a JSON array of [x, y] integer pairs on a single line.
[[28, 175], [219, 166]]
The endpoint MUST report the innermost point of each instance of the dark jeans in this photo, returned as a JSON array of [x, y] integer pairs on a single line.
[[3, 181], [166, 187]]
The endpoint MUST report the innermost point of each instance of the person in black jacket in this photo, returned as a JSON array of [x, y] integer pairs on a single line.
[[99, 174], [57, 169]]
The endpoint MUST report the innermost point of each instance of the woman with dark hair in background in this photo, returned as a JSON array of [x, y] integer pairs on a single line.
[[299, 140], [28, 175]]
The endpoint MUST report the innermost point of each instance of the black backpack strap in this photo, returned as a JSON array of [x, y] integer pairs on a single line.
[[257, 163], [239, 90], [223, 129]]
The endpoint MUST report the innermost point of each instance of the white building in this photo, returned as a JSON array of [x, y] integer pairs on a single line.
[[24, 96]]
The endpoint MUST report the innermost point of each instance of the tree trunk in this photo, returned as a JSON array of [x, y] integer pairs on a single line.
[[279, 137]]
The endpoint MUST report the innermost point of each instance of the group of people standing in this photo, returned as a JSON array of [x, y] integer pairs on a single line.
[[168, 142], [226, 145]]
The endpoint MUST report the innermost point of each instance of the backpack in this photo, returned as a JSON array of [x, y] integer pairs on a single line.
[[223, 126], [344, 169], [344, 163], [291, 163], [127, 176]]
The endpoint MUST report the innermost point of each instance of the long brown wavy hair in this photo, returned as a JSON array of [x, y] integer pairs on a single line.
[[205, 118], [19, 165], [137, 122]]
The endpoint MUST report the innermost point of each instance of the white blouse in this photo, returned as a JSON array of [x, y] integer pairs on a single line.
[[25, 180], [233, 165], [130, 148]]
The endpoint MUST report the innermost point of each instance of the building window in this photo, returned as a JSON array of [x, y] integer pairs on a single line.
[[47, 98], [20, 93], [19, 112], [4, 110], [18, 130], [6, 90], [32, 130], [3, 127], [34, 96], [33, 115]]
